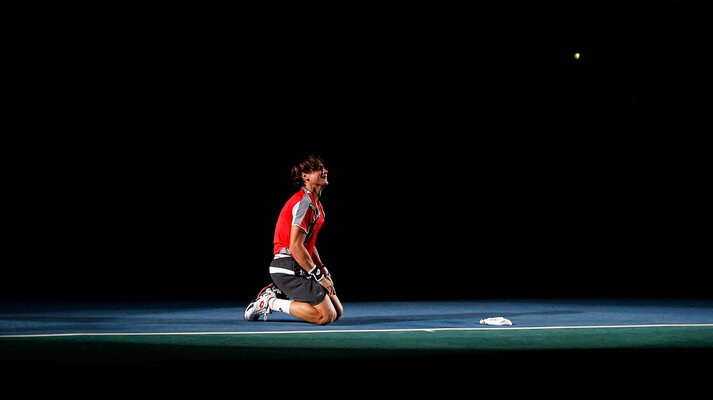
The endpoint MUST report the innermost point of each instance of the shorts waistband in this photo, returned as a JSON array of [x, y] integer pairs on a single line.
[[283, 253]]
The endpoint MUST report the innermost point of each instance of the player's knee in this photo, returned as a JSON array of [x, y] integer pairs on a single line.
[[338, 315], [326, 318]]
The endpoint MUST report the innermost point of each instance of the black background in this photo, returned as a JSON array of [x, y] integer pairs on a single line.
[[470, 154]]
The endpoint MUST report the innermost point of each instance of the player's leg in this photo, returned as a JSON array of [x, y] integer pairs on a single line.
[[321, 314], [306, 298], [328, 309], [337, 305]]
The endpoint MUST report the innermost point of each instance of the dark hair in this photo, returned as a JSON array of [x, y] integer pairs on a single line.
[[308, 164]]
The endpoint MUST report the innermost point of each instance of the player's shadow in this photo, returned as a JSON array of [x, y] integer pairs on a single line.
[[384, 319]]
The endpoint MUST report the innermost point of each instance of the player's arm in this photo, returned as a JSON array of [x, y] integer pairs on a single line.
[[298, 249], [315, 257], [300, 254], [318, 260]]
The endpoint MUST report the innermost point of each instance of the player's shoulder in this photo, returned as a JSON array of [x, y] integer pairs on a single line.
[[299, 196]]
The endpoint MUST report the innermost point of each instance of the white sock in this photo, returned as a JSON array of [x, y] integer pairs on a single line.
[[279, 305]]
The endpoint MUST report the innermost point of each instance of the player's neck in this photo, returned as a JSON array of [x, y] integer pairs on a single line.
[[316, 190]]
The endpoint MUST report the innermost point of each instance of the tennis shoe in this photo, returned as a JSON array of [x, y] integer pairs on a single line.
[[260, 306], [274, 290]]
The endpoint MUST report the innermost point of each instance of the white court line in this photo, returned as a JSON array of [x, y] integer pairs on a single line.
[[490, 328]]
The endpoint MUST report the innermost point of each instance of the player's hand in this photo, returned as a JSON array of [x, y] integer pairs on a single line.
[[328, 284]]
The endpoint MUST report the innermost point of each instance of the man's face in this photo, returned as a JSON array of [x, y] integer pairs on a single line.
[[318, 176]]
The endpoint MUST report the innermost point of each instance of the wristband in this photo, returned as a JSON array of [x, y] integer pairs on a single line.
[[316, 273], [324, 269]]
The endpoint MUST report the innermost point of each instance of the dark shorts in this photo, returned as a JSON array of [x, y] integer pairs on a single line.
[[296, 285]]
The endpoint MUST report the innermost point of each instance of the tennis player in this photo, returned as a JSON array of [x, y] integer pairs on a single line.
[[302, 285]]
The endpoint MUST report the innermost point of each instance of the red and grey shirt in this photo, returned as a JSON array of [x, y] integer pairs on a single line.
[[302, 210]]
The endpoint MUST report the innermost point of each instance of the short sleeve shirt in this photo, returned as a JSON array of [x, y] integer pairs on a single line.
[[301, 210]]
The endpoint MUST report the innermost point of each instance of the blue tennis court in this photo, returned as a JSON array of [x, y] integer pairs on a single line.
[[123, 319], [385, 348]]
